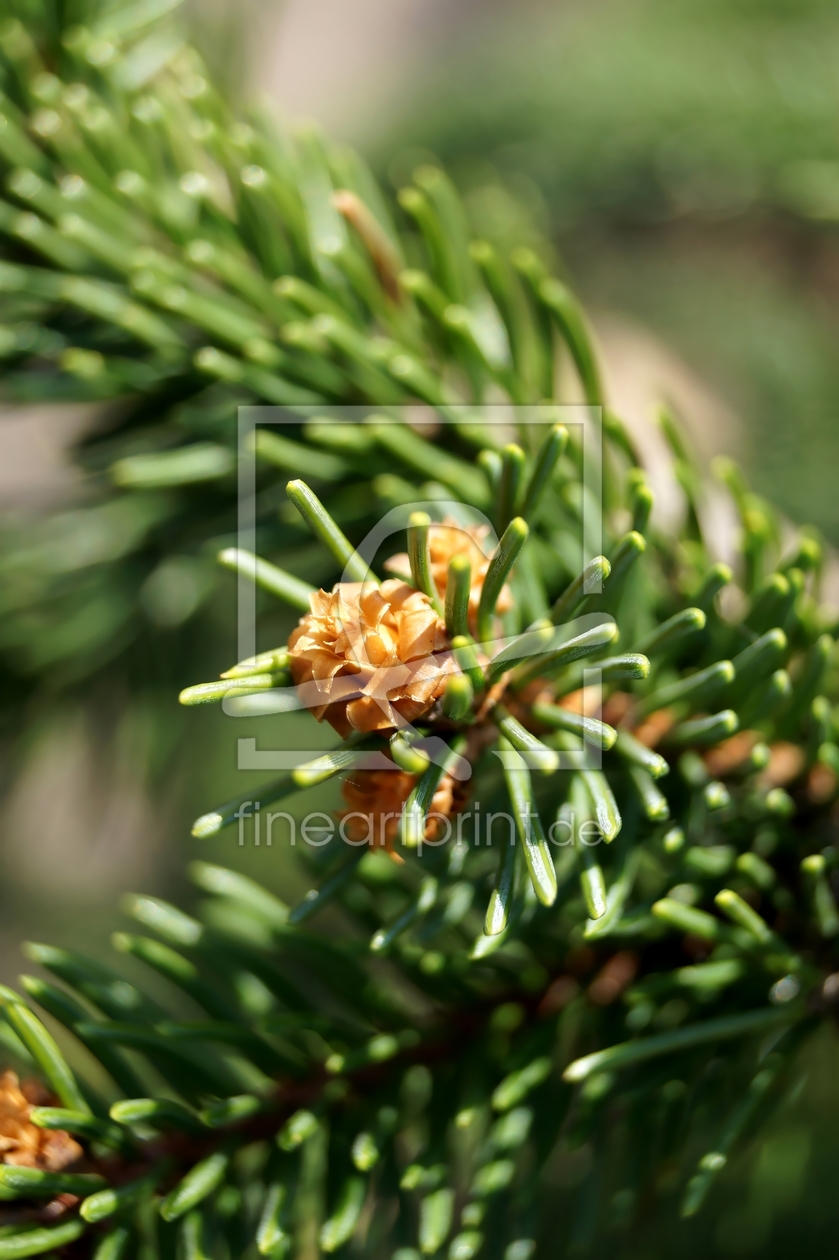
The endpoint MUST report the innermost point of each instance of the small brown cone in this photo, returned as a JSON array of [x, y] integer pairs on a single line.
[[24, 1143]]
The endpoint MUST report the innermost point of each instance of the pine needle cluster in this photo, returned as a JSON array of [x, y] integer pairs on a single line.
[[393, 1065]]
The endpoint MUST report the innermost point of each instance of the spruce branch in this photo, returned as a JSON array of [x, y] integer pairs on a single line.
[[395, 1077]]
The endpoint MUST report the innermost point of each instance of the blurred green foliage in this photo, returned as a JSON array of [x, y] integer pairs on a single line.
[[686, 157], [648, 111]]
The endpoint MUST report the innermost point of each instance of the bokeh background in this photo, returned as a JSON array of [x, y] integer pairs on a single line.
[[683, 155]]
